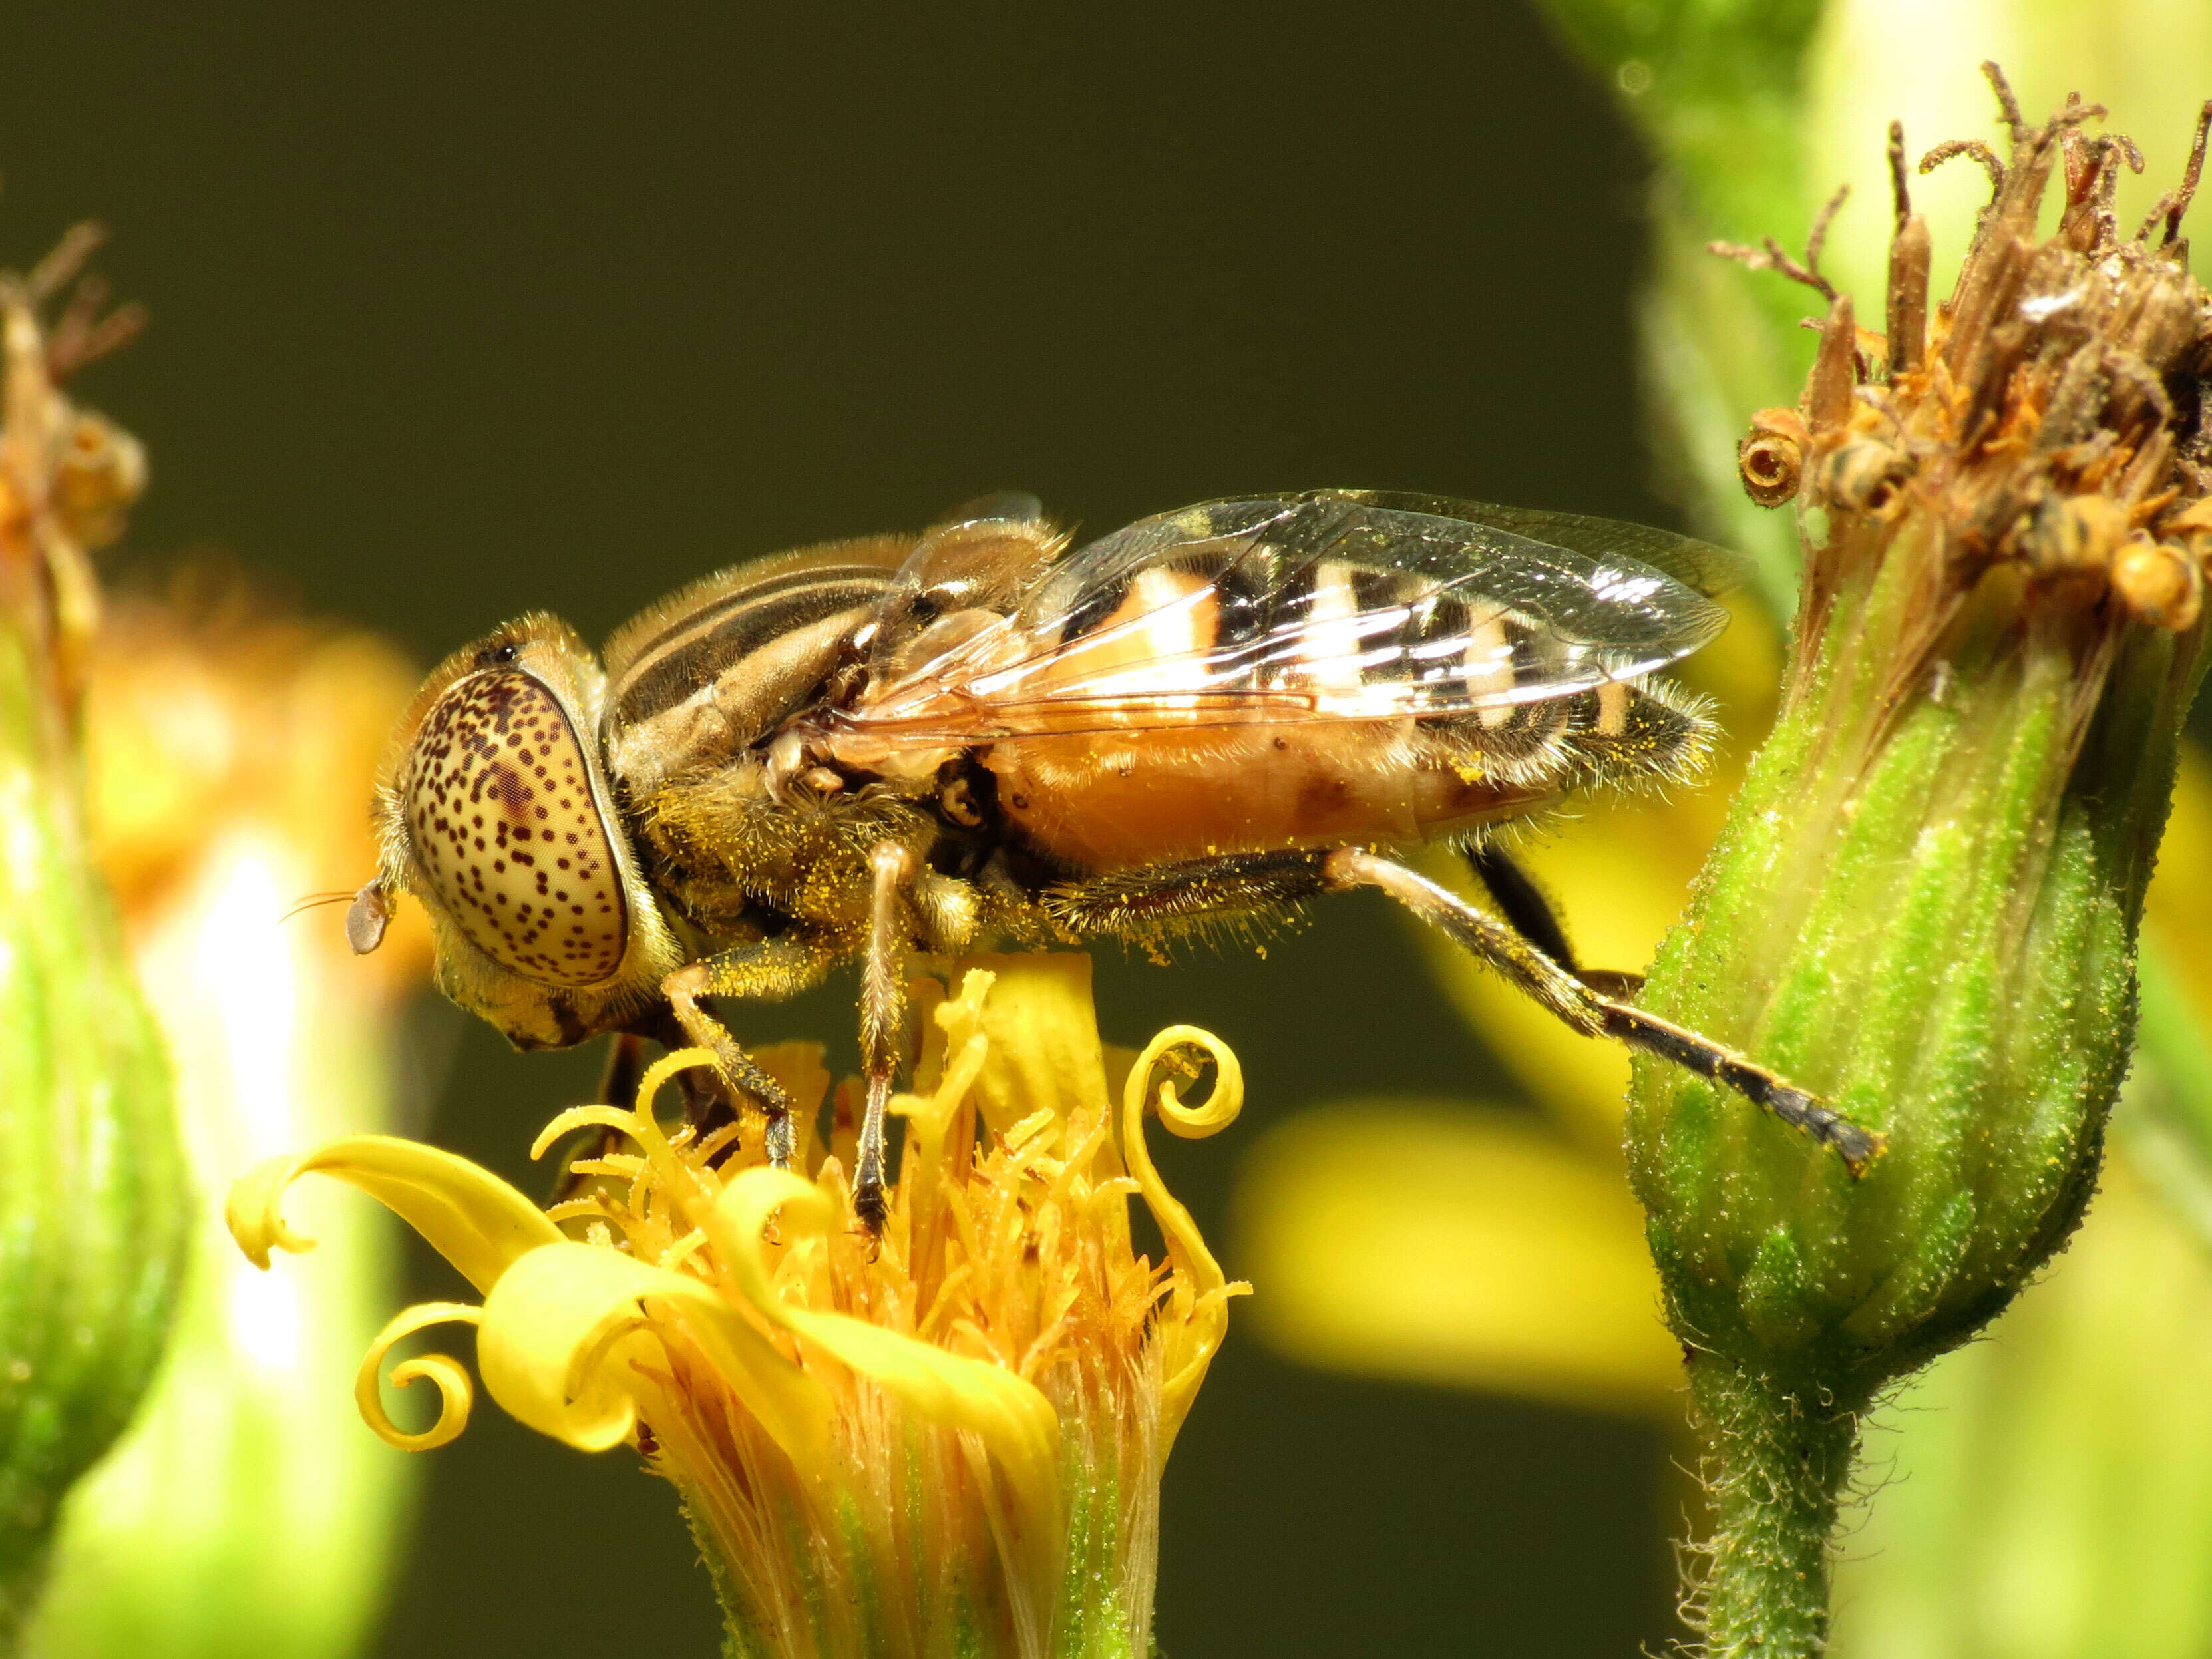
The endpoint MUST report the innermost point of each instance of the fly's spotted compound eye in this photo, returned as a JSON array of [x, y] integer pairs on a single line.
[[507, 835]]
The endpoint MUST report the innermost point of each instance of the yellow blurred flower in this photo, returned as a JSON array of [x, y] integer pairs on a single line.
[[2043, 1493], [1448, 1242], [948, 1441]]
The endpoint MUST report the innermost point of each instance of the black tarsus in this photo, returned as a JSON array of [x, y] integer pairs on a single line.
[[1529, 913], [1857, 1145], [1513, 941]]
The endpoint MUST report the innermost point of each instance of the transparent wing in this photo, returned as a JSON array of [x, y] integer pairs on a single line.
[[1696, 565], [1331, 606]]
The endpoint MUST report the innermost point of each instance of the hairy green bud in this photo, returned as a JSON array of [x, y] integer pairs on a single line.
[[1925, 902]]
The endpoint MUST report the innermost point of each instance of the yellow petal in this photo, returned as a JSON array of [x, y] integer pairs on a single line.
[[1452, 1244], [1043, 1035], [564, 1325], [1193, 1325], [456, 1393], [798, 1066], [954, 1053], [463, 1212], [1013, 1419]]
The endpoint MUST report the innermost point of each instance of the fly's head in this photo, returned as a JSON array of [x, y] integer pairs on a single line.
[[493, 810]]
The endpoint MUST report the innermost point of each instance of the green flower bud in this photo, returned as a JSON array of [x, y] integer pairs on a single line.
[[92, 1190], [1924, 905], [208, 830]]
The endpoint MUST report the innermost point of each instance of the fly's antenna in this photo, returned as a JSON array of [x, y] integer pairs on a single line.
[[313, 901]]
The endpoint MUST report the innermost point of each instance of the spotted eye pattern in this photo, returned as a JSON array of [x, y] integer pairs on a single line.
[[499, 810]]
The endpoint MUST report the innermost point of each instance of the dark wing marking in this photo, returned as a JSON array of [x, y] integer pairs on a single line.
[[1327, 607], [1696, 565]]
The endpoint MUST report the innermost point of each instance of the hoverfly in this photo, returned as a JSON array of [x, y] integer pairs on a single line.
[[873, 747]]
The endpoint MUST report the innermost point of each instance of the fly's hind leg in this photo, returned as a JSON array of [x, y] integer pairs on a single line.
[[767, 971], [1593, 1013], [1529, 911]]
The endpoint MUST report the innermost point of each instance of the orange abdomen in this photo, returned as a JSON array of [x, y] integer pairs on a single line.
[[1116, 801]]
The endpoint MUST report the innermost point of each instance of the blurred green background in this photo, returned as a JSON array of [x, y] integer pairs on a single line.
[[459, 312]]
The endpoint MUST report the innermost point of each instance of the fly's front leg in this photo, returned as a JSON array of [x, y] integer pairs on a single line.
[[882, 1018], [1591, 1012], [767, 971]]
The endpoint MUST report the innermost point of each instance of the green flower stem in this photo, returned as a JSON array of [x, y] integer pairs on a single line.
[[1718, 87], [1767, 1590], [1718, 90]]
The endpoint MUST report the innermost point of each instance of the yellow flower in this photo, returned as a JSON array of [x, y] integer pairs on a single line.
[[951, 1442]]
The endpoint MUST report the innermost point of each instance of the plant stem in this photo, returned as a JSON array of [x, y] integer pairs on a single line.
[[1783, 1454]]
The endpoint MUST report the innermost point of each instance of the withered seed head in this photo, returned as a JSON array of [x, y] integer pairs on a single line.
[[2044, 416], [2077, 535], [1927, 898], [99, 476]]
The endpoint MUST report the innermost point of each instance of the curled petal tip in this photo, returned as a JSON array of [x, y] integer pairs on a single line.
[[253, 1210], [456, 1393]]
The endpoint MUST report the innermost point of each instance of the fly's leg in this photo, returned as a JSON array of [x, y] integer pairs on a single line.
[[617, 1088], [883, 1020], [1136, 904], [1591, 1012], [1521, 903], [1131, 903], [768, 971], [1529, 913]]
